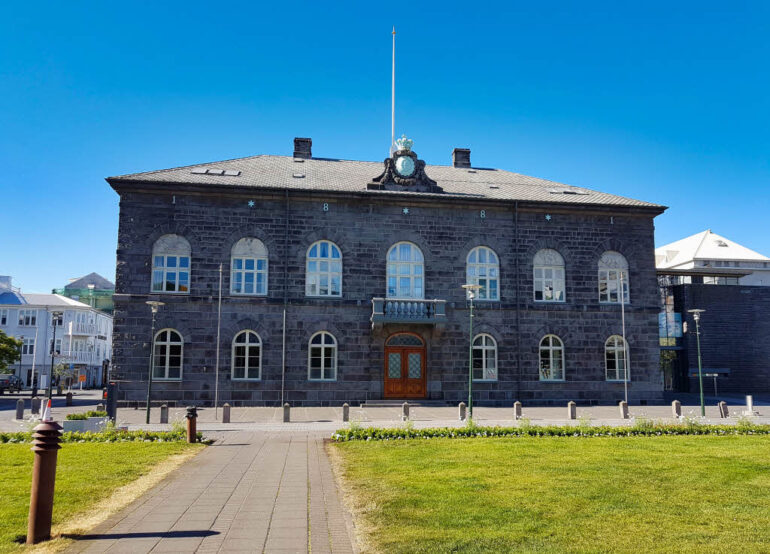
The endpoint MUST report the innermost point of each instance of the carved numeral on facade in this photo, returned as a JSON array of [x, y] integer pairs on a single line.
[[483, 214], [326, 206]]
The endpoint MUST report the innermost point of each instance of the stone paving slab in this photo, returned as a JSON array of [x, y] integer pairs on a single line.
[[248, 492]]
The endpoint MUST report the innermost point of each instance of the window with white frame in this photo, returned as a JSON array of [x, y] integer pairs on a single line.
[[322, 357], [613, 277], [484, 358], [57, 318], [615, 358], [171, 265], [483, 268], [4, 316], [548, 276], [406, 271], [27, 318], [323, 269], [248, 267], [28, 347], [167, 355], [57, 349], [247, 356], [551, 359]]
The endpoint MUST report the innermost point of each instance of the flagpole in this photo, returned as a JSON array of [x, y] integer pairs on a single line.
[[393, 97], [219, 325]]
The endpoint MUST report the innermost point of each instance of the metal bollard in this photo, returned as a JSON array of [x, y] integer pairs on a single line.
[[286, 413], [192, 424], [345, 412], [404, 411], [35, 409], [676, 409], [517, 410], [750, 404], [45, 446], [164, 413], [571, 410], [226, 413], [723, 412], [20, 409], [100, 407], [623, 405], [461, 411], [68, 401]]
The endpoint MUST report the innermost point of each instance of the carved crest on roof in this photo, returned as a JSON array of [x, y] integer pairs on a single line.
[[404, 171]]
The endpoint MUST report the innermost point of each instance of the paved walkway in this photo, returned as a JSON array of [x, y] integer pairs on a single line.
[[249, 492]]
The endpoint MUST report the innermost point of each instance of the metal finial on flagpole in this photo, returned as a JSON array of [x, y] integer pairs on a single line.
[[393, 98]]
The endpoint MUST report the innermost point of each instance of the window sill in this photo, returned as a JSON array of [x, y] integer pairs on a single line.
[[324, 297], [245, 378], [617, 380], [178, 293], [323, 380], [485, 380], [553, 380], [167, 379], [549, 301], [240, 294]]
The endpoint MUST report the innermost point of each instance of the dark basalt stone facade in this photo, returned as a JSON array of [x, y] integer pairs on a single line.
[[364, 224]]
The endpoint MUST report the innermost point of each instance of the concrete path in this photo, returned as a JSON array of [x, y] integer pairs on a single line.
[[248, 492]]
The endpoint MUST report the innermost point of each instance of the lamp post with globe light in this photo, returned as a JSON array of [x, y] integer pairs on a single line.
[[154, 305], [471, 290], [696, 317]]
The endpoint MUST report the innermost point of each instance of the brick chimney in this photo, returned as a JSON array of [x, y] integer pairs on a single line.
[[461, 157], [303, 148]]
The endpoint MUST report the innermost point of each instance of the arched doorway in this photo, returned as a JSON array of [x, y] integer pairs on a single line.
[[405, 366]]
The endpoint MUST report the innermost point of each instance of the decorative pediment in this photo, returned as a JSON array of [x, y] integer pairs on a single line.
[[404, 171]]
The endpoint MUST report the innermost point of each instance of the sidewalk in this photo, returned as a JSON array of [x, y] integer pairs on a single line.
[[248, 492]]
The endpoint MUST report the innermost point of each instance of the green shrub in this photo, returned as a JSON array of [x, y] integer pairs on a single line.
[[109, 435], [86, 415]]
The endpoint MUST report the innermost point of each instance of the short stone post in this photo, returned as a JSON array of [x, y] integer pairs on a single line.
[[20, 409], [723, 409], [164, 413], [676, 409], [750, 404], [404, 411], [623, 405], [461, 411], [35, 409], [517, 410], [192, 424], [58, 390], [346, 412], [571, 410], [68, 401], [286, 413], [45, 446], [226, 413]]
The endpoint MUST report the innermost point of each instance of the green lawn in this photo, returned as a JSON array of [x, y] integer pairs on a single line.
[[640, 494], [86, 474]]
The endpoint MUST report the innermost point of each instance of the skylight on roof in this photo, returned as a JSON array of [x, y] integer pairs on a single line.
[[226, 172], [721, 243], [299, 175], [568, 190]]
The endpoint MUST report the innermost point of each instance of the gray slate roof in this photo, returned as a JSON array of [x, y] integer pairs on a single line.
[[99, 282], [324, 174]]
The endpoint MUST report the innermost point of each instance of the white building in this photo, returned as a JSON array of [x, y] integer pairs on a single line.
[[83, 335], [707, 250]]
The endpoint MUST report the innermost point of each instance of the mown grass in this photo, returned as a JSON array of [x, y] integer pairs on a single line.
[[642, 494], [86, 473]]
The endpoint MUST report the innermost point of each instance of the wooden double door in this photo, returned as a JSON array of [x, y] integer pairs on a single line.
[[405, 367]]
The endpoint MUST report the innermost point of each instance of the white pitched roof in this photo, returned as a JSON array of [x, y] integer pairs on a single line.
[[704, 246], [52, 300]]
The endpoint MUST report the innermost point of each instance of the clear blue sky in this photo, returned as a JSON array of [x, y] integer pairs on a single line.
[[666, 102]]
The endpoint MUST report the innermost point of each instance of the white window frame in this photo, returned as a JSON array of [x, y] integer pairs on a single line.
[[313, 278], [28, 346], [166, 248], [548, 261], [52, 349], [551, 349], [490, 271], [166, 365], [28, 318], [4, 316], [483, 343], [244, 251], [247, 346], [323, 347], [59, 321], [613, 273], [398, 269], [618, 347]]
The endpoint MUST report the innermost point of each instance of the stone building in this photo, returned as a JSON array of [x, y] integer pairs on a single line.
[[342, 282]]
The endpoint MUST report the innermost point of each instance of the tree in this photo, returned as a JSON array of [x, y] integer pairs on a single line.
[[9, 351]]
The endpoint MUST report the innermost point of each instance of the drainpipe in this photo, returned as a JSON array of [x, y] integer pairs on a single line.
[[518, 296], [285, 294]]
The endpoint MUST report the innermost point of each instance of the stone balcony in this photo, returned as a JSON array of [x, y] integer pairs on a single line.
[[408, 310]]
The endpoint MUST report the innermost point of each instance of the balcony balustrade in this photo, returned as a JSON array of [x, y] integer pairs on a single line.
[[86, 329], [408, 310]]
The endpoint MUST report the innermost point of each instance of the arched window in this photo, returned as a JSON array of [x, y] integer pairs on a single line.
[[247, 356], [167, 355], [613, 276], [406, 271], [484, 358], [171, 265], [551, 359], [483, 268], [615, 358], [323, 272], [548, 276], [322, 357], [248, 267]]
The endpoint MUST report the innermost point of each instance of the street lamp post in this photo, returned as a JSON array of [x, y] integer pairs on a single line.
[[21, 352], [154, 305], [91, 293], [471, 290], [696, 317], [54, 318]]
